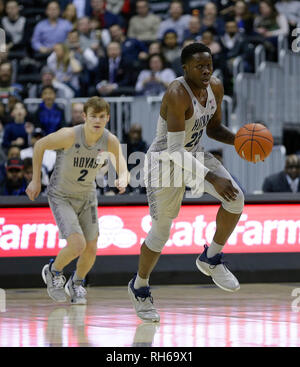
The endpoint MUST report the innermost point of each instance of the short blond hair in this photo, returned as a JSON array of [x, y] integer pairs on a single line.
[[97, 104]]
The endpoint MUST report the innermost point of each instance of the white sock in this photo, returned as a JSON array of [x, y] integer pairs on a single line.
[[214, 249], [140, 282]]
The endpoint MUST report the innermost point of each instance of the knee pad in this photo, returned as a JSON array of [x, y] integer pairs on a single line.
[[235, 206], [158, 234]]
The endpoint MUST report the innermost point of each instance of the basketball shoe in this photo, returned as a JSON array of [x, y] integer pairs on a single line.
[[75, 290], [143, 302], [55, 281], [215, 267]]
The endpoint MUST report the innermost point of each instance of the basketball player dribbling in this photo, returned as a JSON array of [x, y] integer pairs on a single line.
[[190, 104], [81, 150]]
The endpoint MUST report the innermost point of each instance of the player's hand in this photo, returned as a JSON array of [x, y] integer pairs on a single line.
[[33, 190], [121, 185], [223, 186]]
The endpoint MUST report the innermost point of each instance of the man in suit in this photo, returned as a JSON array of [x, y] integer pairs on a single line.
[[287, 180], [114, 76]]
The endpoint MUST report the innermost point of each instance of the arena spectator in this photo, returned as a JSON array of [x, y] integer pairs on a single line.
[[27, 170], [63, 63], [70, 14], [170, 48], [106, 18], [135, 143], [14, 183], [90, 35], [232, 38], [48, 159], [14, 24], [176, 21], [86, 57], [211, 19], [176, 64], [194, 28], [291, 10], [2, 153], [12, 152], [143, 26], [16, 132], [287, 180], [7, 86], [48, 78], [208, 40], [83, 7], [155, 80], [243, 17], [133, 51], [114, 6], [76, 114], [49, 116], [269, 23], [50, 31], [115, 76]]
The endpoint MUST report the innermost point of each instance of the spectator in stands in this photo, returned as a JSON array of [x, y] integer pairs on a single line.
[[49, 116], [14, 183], [176, 21], [155, 80], [133, 51], [48, 78], [176, 64], [27, 170], [244, 19], [70, 14], [50, 31], [232, 38], [16, 132], [208, 40], [7, 87], [90, 35], [287, 180], [115, 75], [194, 29], [63, 63], [291, 10], [106, 18], [135, 143], [12, 152], [114, 6], [211, 19], [270, 24], [86, 57], [2, 153], [14, 25], [83, 7], [48, 159], [143, 26], [76, 114], [170, 47]]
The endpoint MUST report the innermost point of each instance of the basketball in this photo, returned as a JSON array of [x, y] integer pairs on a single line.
[[253, 142]]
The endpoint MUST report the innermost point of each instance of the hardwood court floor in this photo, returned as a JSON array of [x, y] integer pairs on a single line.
[[191, 316]]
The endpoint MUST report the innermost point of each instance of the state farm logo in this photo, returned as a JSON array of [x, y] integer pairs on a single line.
[[112, 232]]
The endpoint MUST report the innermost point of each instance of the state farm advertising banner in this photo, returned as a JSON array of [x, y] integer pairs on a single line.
[[262, 228]]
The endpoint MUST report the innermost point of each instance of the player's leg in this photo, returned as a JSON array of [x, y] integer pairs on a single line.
[[164, 207], [69, 229], [210, 262], [88, 220]]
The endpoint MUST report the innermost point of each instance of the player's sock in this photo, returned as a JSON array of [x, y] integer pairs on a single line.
[[75, 277], [140, 282], [214, 249]]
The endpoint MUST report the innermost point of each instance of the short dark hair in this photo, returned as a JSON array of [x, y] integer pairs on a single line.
[[48, 87], [192, 49]]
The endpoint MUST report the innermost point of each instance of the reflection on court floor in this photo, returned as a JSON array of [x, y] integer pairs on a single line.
[[191, 316]]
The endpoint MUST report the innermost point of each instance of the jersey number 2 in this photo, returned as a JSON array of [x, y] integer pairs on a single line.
[[194, 139], [83, 172]]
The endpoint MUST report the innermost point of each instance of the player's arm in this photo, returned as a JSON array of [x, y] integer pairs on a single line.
[[215, 130], [119, 163], [61, 139]]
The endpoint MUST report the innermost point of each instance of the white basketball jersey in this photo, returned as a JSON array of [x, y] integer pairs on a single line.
[[194, 126]]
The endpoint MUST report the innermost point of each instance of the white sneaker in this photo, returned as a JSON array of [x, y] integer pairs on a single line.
[[215, 267], [76, 291], [142, 302]]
